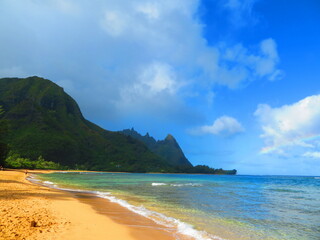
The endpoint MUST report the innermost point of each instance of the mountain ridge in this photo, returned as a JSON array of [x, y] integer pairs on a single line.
[[168, 148], [45, 121], [41, 125]]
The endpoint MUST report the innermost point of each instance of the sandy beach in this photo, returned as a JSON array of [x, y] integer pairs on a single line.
[[31, 211]]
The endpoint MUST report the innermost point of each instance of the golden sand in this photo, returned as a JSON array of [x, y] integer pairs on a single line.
[[30, 211]]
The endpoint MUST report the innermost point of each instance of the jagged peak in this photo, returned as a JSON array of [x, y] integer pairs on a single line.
[[131, 130], [169, 137]]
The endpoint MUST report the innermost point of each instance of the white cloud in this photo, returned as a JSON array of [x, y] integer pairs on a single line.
[[269, 48], [168, 32], [151, 10], [114, 23], [125, 52], [240, 64], [155, 81], [158, 77], [266, 65], [312, 154], [290, 126], [224, 126]]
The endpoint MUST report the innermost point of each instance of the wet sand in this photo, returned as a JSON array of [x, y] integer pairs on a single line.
[[31, 211]]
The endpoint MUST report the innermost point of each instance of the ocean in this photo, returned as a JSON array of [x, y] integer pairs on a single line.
[[209, 206]]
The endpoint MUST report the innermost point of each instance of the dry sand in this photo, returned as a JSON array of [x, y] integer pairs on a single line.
[[30, 211]]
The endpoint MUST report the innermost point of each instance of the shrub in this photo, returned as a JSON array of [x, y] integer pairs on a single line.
[[15, 161]]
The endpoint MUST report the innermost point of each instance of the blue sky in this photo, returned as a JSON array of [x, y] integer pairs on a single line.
[[236, 82]]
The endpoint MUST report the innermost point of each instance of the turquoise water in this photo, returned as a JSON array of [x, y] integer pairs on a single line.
[[211, 206]]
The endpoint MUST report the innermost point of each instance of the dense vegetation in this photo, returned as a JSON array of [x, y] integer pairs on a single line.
[[42, 127], [204, 169], [44, 121], [15, 161], [3, 134]]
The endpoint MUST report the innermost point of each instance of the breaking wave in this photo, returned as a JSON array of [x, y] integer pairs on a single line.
[[177, 184]]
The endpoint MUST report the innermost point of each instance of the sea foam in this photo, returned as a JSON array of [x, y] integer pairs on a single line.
[[158, 184], [177, 184], [186, 184], [159, 218], [48, 182]]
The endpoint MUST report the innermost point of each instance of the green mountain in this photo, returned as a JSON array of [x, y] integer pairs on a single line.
[[42, 127], [45, 121], [168, 148]]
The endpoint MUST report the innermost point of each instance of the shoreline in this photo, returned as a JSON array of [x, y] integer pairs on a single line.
[[33, 211]]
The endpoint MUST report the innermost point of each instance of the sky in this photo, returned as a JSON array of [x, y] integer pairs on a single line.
[[236, 82]]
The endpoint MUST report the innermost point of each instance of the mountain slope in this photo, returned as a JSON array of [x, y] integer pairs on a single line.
[[45, 121], [168, 148]]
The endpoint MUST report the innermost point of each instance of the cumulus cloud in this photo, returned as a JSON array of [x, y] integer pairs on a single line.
[[153, 91], [290, 127], [248, 65], [223, 126], [121, 57], [156, 78]]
